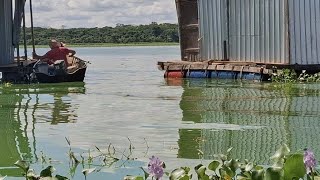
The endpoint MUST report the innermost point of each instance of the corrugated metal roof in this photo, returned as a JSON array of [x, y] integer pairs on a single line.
[[6, 47]]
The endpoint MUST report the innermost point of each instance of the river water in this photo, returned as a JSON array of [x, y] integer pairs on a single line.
[[125, 102]]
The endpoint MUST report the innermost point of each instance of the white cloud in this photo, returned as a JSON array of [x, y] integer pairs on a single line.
[[99, 13]]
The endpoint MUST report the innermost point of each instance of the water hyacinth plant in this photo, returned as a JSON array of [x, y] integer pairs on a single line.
[[290, 76], [156, 168], [286, 166], [309, 161]]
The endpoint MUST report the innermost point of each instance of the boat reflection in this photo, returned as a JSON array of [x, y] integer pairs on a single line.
[[254, 119], [22, 107]]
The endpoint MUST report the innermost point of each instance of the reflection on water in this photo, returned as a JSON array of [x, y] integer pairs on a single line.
[[14, 143], [125, 96], [269, 116], [22, 107]]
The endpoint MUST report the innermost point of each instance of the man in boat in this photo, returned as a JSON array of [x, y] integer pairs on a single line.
[[57, 52]]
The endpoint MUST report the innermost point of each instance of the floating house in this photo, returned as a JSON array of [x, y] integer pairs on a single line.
[[13, 66], [246, 38]]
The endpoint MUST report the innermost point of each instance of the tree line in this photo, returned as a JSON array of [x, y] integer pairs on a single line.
[[121, 33]]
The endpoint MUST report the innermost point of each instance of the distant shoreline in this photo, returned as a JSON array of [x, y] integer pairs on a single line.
[[112, 44]]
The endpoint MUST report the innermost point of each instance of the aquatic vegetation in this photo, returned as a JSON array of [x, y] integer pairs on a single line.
[[290, 76], [156, 167], [285, 75], [30, 174], [286, 166], [309, 161]]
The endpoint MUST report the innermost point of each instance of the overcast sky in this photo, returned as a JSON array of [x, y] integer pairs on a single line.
[[100, 13]]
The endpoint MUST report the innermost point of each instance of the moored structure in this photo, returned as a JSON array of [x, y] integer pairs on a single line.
[[12, 15], [246, 38]]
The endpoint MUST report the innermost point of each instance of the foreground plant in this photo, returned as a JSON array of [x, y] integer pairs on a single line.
[[310, 162], [30, 174], [286, 166], [2, 178], [156, 167]]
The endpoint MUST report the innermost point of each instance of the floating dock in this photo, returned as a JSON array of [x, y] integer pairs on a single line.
[[214, 69], [234, 38]]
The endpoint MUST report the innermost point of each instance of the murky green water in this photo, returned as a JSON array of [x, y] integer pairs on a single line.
[[125, 96]]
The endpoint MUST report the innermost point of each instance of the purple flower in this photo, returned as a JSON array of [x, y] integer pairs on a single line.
[[155, 167], [309, 160]]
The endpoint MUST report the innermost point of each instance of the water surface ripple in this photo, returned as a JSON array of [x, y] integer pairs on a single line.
[[125, 97]]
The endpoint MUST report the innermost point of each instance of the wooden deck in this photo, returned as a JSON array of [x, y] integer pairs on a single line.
[[214, 66], [250, 67]]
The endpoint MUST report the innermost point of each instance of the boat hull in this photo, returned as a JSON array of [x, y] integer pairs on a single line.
[[77, 76]]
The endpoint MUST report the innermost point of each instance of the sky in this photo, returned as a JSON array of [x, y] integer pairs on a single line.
[[100, 13]]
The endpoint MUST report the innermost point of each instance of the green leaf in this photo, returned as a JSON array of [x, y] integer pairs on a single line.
[[274, 174], [201, 171], [249, 166], [214, 165], [47, 172], [133, 178], [233, 164], [179, 173], [280, 153], [258, 167], [242, 177], [294, 167], [185, 177], [248, 175], [229, 171], [24, 165], [258, 174], [59, 177], [88, 171]]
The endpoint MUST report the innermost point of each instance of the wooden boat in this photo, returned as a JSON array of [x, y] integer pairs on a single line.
[[58, 72]]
